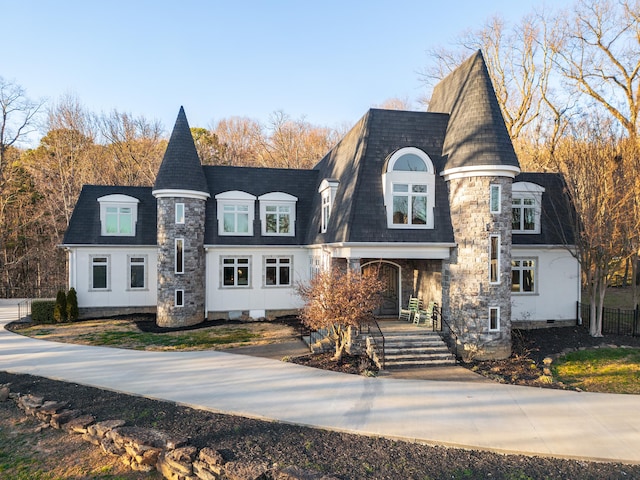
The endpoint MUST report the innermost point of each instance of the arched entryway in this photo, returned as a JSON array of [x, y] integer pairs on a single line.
[[390, 273]]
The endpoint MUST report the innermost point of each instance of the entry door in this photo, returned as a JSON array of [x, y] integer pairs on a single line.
[[389, 274]]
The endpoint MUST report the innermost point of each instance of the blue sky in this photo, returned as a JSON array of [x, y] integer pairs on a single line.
[[328, 61]]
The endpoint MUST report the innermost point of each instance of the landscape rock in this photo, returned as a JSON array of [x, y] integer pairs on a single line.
[[178, 461], [79, 424], [4, 393], [246, 471], [58, 420]]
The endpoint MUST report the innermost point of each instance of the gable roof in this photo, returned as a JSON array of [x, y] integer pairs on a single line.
[[85, 228], [181, 168], [358, 213], [476, 134]]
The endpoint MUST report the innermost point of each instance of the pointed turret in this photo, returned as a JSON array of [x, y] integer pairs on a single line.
[[476, 134], [181, 169]]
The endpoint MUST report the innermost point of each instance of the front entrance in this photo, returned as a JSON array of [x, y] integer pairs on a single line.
[[390, 275]]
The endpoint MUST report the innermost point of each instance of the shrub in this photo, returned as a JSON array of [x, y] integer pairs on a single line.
[[60, 309], [42, 311], [72, 305]]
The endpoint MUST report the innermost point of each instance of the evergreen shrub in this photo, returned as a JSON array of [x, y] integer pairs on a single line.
[[42, 311]]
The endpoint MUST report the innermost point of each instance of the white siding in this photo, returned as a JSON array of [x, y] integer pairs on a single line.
[[118, 294], [257, 297], [557, 289]]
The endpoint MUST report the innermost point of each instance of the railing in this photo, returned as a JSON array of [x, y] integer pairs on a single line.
[[615, 321], [377, 343], [24, 308], [314, 335], [450, 334]]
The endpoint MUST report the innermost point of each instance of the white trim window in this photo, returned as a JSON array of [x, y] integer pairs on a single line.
[[179, 255], [179, 298], [494, 319], [278, 214], [523, 275], [137, 272], [179, 213], [236, 272], [100, 272], [526, 207], [277, 271], [236, 212], [494, 259], [495, 197], [118, 215], [409, 189], [328, 188]]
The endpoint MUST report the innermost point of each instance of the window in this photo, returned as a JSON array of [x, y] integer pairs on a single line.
[[495, 198], [523, 275], [100, 272], [277, 271], [235, 272], [409, 189], [494, 319], [179, 213], [137, 272], [494, 259], [409, 204], [235, 213], [328, 188], [179, 255], [179, 298], [118, 215], [526, 207], [277, 213]]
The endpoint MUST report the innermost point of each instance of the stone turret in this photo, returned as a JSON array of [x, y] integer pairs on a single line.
[[481, 164], [181, 192]]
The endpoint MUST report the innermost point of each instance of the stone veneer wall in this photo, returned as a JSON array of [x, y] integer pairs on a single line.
[[192, 281], [467, 294]]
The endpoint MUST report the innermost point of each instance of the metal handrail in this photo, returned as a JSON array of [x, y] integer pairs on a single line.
[[24, 308], [373, 337], [437, 313]]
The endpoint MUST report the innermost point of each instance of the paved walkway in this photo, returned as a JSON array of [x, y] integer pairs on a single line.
[[481, 415]]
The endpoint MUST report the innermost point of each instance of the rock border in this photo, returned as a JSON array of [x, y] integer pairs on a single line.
[[147, 449]]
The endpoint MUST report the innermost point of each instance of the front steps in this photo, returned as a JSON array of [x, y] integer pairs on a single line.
[[407, 349]]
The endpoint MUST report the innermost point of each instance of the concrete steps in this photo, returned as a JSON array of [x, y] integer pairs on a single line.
[[416, 349]]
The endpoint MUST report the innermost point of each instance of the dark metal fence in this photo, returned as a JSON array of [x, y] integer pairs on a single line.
[[615, 321]]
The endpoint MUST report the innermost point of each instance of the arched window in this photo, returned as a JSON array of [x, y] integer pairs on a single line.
[[408, 184]]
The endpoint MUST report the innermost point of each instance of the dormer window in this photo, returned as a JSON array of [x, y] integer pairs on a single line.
[[328, 188], [408, 184], [526, 207], [278, 214], [118, 215], [236, 212]]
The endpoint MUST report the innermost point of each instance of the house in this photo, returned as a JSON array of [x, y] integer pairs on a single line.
[[434, 199]]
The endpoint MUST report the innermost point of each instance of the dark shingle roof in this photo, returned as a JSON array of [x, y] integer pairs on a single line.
[[556, 216], [476, 134], [358, 162], [302, 184], [84, 226], [181, 168]]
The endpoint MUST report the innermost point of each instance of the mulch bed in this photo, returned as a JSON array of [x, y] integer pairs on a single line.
[[342, 455]]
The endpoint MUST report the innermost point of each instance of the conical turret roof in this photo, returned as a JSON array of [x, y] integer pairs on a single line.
[[181, 168], [476, 135]]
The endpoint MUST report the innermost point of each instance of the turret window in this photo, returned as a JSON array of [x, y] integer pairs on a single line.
[[179, 213], [179, 255]]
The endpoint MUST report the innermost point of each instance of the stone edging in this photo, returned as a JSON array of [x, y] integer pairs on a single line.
[[146, 449]]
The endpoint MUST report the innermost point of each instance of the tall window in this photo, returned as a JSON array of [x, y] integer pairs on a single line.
[[235, 272], [409, 204], [179, 255], [179, 213], [277, 271], [100, 272], [137, 272], [495, 199], [409, 189], [494, 259], [235, 213], [326, 210], [523, 275], [494, 318]]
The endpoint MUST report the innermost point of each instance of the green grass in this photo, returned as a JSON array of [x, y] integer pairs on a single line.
[[607, 370], [183, 340]]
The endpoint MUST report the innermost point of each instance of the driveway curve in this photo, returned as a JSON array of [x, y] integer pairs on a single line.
[[496, 417]]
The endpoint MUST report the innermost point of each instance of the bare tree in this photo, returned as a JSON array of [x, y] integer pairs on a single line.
[[208, 146], [242, 138]]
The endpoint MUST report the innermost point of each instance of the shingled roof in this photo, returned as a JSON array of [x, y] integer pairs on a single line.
[[181, 168], [476, 134]]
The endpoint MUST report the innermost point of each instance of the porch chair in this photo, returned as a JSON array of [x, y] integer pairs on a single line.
[[409, 312], [426, 315]]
